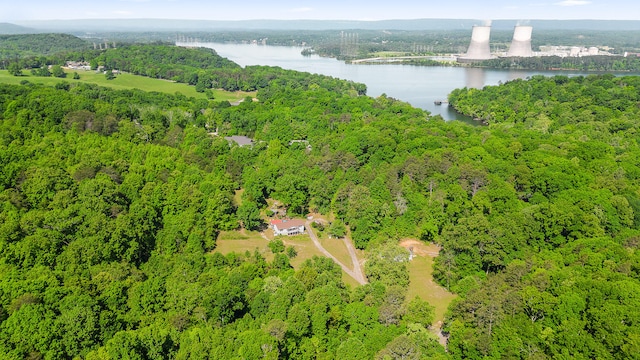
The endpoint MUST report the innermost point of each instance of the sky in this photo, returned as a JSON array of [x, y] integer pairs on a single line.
[[20, 10]]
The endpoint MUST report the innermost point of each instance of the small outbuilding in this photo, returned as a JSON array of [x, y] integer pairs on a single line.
[[240, 140]]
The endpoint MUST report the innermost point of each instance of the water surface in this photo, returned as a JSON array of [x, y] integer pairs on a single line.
[[421, 86]]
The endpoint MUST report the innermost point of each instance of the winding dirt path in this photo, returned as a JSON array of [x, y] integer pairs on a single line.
[[357, 269], [356, 273]]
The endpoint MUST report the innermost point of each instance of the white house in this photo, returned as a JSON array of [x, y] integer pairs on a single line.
[[288, 227]]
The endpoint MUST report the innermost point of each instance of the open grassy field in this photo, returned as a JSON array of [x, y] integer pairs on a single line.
[[242, 241], [420, 268], [125, 81], [306, 250], [337, 248], [421, 281]]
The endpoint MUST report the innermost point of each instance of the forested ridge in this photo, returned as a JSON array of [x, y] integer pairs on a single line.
[[19, 46], [112, 202]]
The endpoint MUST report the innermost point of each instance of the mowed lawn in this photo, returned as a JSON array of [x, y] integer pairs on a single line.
[[125, 81], [242, 241], [421, 281]]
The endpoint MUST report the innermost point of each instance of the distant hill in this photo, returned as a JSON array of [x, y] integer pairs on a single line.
[[20, 45], [10, 29], [418, 24]]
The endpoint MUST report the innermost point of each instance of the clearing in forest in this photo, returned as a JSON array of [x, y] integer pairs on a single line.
[[125, 81], [421, 281], [242, 240]]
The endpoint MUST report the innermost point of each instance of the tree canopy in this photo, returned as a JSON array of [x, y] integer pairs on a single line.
[[111, 202]]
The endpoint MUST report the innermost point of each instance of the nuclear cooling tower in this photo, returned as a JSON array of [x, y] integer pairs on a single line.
[[521, 43], [479, 47]]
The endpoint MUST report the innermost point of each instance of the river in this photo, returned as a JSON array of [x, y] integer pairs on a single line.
[[420, 86]]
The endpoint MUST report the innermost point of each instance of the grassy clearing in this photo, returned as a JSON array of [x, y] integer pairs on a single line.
[[347, 279], [124, 82], [242, 241], [304, 247], [306, 250], [237, 197], [421, 281], [337, 248]]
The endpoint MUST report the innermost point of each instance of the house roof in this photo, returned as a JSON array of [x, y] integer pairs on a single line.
[[287, 224], [240, 140]]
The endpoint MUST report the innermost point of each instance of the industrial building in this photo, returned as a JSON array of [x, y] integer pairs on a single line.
[[521, 43], [571, 51], [479, 48]]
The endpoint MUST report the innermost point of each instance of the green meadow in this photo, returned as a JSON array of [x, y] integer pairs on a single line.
[[125, 81]]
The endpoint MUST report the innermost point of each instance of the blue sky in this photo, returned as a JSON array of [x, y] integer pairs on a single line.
[[16, 10]]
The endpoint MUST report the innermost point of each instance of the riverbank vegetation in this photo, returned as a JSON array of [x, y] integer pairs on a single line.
[[198, 67], [363, 44], [602, 63], [29, 50], [111, 202]]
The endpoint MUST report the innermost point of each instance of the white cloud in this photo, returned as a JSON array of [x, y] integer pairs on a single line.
[[573, 3], [121, 12]]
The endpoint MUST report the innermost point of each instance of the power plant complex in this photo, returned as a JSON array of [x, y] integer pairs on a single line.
[[480, 49]]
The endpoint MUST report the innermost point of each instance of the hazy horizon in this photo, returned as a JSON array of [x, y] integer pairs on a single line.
[[321, 10]]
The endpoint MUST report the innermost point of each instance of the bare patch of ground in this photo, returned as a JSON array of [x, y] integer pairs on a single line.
[[420, 248]]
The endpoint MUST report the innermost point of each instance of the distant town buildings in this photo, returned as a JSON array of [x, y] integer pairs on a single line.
[[78, 65]]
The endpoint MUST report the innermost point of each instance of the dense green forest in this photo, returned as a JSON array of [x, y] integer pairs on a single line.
[[576, 282], [19, 46], [111, 202]]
